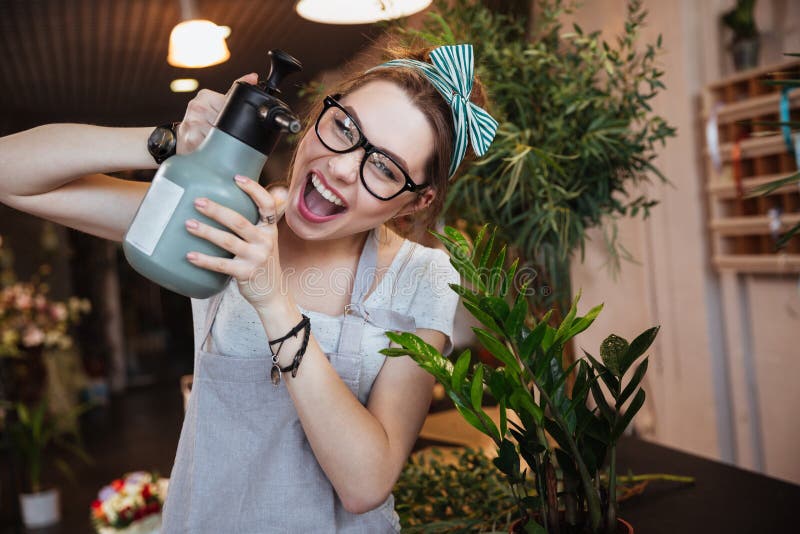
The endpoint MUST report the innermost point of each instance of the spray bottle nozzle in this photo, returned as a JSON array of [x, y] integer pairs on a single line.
[[280, 117], [282, 64]]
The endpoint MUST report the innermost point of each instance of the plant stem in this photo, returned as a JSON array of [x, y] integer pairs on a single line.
[[592, 497], [611, 523]]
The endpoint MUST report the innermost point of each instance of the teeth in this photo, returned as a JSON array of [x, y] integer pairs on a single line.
[[325, 192]]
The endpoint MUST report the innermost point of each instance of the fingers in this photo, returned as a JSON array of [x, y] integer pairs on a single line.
[[271, 203], [251, 78], [231, 220], [201, 114]]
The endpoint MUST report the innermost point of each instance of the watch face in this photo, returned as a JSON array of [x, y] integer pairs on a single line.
[[161, 143]]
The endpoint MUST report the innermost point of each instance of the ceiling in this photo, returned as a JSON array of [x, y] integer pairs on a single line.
[[104, 61]]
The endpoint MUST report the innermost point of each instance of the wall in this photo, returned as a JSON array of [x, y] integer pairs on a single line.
[[719, 383]]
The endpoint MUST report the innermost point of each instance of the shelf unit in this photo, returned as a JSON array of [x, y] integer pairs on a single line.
[[751, 155]]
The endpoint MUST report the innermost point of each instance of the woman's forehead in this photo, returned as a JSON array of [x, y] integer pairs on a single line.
[[389, 119]]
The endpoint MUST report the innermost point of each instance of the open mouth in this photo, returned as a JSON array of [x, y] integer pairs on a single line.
[[319, 203]]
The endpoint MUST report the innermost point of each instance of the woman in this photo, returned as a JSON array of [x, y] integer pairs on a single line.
[[318, 445]]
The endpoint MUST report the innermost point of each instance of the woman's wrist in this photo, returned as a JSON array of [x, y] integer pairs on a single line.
[[278, 318]]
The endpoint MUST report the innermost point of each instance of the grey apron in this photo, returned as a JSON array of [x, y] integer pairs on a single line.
[[243, 463]]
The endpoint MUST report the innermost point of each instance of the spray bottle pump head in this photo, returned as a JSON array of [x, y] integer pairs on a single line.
[[281, 65]]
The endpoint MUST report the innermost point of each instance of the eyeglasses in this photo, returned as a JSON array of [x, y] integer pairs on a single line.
[[380, 173]]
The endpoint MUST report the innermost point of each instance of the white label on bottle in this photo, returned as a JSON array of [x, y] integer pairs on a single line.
[[155, 212]]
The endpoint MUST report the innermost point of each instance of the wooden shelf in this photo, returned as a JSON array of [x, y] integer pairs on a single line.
[[753, 107], [726, 189], [779, 263], [738, 223], [757, 225]]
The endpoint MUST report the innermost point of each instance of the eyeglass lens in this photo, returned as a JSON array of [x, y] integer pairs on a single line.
[[382, 176]]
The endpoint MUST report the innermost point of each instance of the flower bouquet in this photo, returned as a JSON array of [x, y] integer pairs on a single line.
[[130, 505], [29, 318]]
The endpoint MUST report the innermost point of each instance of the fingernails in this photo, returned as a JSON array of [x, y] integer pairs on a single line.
[[240, 179], [191, 256], [191, 223], [201, 202]]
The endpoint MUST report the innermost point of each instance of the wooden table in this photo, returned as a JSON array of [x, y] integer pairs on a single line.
[[724, 499]]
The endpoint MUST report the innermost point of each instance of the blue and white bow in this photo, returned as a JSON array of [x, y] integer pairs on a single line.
[[451, 73]]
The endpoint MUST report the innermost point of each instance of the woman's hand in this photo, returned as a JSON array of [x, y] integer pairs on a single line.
[[255, 265], [201, 113]]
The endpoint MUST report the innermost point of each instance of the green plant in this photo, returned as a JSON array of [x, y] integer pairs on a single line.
[[461, 492], [532, 382], [577, 132], [741, 20], [33, 433]]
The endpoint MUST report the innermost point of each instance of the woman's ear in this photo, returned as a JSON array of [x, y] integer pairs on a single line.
[[420, 202]]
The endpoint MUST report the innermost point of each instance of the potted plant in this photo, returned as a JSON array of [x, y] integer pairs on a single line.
[[569, 448], [746, 44], [577, 132], [34, 434]]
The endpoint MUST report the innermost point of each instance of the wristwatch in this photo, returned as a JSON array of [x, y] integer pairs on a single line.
[[163, 142]]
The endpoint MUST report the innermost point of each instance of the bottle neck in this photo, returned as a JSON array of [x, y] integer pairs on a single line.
[[222, 151]]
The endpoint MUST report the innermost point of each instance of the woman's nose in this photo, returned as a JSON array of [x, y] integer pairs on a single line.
[[345, 167]]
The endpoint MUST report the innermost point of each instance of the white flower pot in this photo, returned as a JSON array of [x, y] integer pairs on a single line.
[[40, 509]]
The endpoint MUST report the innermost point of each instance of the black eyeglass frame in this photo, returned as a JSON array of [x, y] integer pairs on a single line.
[[369, 148]]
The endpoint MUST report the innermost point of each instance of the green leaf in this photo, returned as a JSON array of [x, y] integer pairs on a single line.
[[497, 270], [487, 252], [517, 316], [476, 389], [477, 241], [566, 324], [521, 400], [534, 339], [460, 370], [507, 460], [470, 417], [496, 307], [584, 322], [508, 278], [465, 293], [637, 377], [602, 404], [483, 317], [498, 349], [611, 382], [638, 347], [612, 353], [622, 424]]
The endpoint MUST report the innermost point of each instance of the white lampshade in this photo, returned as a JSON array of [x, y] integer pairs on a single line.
[[198, 43], [357, 11]]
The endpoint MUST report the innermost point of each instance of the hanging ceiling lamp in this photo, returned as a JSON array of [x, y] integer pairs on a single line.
[[357, 11], [196, 43]]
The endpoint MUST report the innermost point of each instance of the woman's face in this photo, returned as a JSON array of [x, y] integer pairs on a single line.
[[389, 121]]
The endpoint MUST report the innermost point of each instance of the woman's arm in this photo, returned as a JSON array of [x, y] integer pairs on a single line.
[[361, 449], [54, 172]]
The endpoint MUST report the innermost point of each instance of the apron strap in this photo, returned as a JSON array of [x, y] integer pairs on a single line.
[[357, 313], [211, 316]]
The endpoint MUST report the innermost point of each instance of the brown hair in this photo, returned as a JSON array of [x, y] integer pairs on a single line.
[[425, 96]]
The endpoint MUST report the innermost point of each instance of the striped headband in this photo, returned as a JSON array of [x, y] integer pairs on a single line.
[[451, 73]]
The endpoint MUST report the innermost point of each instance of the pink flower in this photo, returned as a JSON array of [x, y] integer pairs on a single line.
[[59, 311], [33, 337]]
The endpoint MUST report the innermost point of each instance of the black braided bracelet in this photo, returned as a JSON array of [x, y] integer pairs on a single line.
[[275, 372]]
